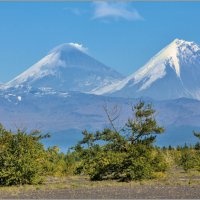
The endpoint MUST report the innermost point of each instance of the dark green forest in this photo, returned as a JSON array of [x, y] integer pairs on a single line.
[[127, 154]]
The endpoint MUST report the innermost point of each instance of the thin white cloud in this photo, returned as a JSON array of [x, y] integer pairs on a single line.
[[103, 10], [79, 46], [75, 11]]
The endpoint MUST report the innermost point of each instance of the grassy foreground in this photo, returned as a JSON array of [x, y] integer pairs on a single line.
[[173, 178], [126, 165]]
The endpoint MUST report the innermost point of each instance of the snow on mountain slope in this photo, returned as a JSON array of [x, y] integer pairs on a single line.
[[66, 68], [172, 73]]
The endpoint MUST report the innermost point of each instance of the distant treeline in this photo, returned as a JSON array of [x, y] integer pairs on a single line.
[[126, 154]]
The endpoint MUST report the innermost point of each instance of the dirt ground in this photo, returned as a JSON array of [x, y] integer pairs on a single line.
[[177, 185], [112, 192]]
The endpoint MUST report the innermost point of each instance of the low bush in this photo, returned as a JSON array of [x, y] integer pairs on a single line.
[[126, 156], [21, 158]]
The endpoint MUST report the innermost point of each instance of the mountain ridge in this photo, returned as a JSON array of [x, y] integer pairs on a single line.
[[57, 108], [171, 65], [66, 68]]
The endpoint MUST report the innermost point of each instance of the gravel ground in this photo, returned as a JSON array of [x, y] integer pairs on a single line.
[[110, 192]]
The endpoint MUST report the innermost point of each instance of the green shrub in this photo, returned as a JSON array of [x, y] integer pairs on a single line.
[[21, 158], [188, 159], [127, 155], [59, 164]]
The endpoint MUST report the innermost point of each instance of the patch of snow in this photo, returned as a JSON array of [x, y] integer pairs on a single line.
[[44, 67], [19, 98], [64, 94]]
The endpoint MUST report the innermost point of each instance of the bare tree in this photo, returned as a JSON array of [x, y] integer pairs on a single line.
[[113, 115]]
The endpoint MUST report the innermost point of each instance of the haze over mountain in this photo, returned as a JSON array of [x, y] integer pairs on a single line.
[[66, 68], [172, 73], [66, 114]]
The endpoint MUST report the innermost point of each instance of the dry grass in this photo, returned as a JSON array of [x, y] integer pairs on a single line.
[[175, 177]]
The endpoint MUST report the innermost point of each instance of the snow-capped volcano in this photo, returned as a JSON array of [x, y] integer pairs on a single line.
[[172, 73], [66, 68]]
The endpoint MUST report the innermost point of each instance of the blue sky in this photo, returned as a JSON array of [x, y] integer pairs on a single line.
[[123, 35]]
